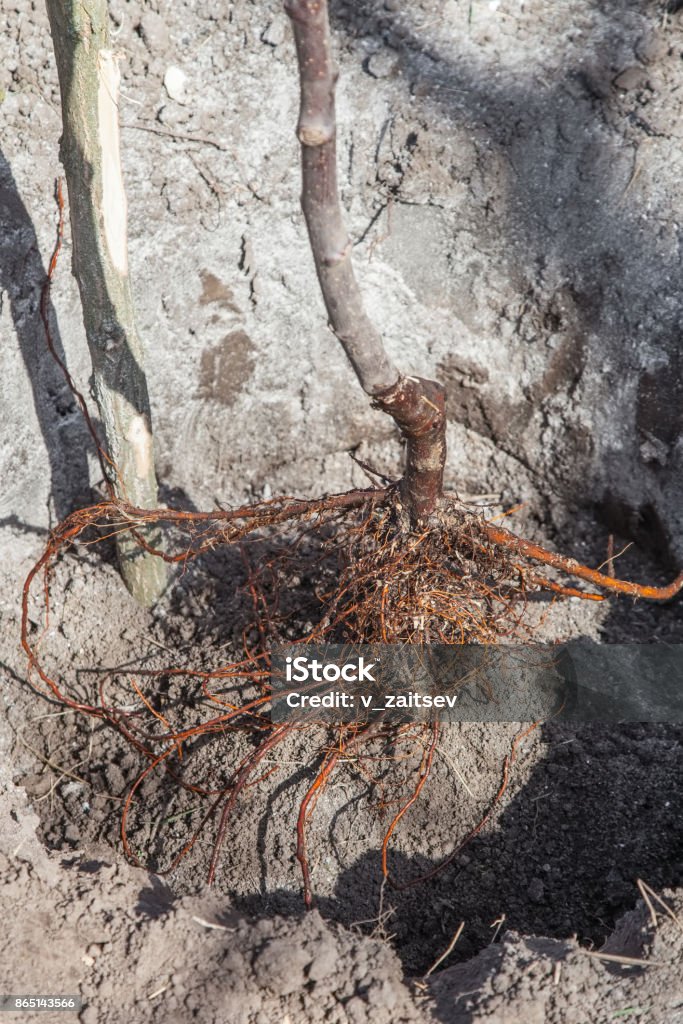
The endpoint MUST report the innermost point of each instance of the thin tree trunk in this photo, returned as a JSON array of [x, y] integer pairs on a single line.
[[90, 152], [416, 405]]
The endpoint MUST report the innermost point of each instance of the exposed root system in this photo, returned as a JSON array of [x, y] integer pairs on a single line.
[[461, 579]]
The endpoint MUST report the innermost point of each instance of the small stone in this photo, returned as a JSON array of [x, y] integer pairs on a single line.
[[631, 78], [651, 48], [383, 993], [275, 33], [381, 64], [154, 32], [90, 1014], [172, 116], [72, 834], [175, 82], [25, 104], [356, 1010], [422, 90], [654, 450], [536, 890]]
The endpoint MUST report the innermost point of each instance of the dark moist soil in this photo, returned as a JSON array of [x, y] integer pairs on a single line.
[[590, 808]]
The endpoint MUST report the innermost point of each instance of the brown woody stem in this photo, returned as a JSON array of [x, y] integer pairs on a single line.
[[417, 406]]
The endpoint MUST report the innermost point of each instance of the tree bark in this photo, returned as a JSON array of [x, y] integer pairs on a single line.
[[417, 406], [90, 152]]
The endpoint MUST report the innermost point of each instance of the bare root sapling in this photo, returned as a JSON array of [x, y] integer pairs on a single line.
[[410, 564], [417, 406]]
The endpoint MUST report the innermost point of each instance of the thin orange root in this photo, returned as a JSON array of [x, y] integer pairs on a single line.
[[518, 545]]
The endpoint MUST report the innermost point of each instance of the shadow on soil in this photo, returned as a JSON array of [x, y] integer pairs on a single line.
[[22, 276], [599, 812]]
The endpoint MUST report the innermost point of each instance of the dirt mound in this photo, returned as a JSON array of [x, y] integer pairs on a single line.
[[86, 924]]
